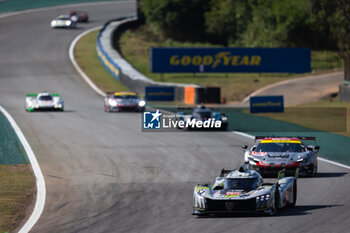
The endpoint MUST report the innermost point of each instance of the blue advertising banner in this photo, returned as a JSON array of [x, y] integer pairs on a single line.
[[160, 93], [216, 60], [266, 104]]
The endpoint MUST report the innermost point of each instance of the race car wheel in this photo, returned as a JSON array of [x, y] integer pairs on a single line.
[[294, 195], [275, 206], [314, 170]]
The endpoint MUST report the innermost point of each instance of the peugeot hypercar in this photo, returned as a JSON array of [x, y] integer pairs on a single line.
[[44, 101], [203, 114], [241, 191], [271, 154], [124, 101], [63, 21]]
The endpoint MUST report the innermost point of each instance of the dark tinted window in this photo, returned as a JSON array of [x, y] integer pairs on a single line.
[[125, 96], [246, 183], [45, 97], [280, 147], [202, 113]]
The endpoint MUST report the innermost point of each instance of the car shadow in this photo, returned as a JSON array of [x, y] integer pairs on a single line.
[[303, 209], [330, 174], [295, 211]]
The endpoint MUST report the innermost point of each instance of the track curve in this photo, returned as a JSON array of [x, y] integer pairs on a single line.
[[104, 175]]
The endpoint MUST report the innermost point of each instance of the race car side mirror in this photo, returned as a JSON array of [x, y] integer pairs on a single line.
[[317, 148], [245, 147]]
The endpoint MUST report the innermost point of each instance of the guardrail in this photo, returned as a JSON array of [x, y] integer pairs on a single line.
[[121, 69]]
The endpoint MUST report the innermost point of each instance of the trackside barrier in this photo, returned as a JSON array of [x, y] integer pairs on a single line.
[[107, 50], [121, 69]]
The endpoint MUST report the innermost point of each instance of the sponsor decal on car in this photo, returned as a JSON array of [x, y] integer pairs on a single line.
[[232, 194]]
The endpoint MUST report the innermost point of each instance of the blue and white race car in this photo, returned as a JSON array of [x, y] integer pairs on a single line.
[[201, 116]]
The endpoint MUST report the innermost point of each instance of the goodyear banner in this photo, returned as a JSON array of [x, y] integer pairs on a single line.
[[160, 93], [216, 60], [266, 104]]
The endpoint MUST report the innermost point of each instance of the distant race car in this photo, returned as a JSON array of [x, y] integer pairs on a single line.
[[79, 16], [124, 101], [274, 153], [44, 101], [242, 191], [63, 21], [202, 114]]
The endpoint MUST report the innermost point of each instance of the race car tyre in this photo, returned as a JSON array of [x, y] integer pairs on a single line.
[[294, 195], [314, 172], [275, 208]]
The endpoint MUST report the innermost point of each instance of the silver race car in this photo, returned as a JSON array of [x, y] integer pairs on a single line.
[[44, 101], [63, 21], [271, 154], [242, 191], [124, 101]]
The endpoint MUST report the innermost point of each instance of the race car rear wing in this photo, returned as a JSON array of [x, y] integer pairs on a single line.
[[299, 137], [36, 94]]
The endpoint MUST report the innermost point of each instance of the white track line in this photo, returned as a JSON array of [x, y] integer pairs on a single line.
[[39, 9], [75, 64], [40, 182], [320, 158]]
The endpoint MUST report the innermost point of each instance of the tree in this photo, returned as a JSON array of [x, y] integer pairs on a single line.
[[276, 23], [227, 19], [335, 16], [177, 19]]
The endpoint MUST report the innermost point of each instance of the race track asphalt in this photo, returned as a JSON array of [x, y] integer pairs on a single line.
[[104, 175]]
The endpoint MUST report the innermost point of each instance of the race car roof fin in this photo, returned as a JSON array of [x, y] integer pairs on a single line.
[[281, 174]]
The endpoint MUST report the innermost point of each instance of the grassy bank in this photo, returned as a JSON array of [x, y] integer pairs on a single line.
[[17, 186], [85, 55], [325, 115], [135, 46]]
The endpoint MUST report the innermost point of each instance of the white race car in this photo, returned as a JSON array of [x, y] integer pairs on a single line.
[[63, 21], [44, 101]]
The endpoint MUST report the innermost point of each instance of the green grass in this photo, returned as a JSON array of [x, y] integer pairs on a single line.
[[86, 57], [17, 186], [325, 115], [135, 44]]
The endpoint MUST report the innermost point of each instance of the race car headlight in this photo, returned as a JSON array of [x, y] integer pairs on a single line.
[[58, 106], [37, 106], [53, 23], [112, 102], [142, 103], [200, 201], [262, 200], [223, 118], [68, 23]]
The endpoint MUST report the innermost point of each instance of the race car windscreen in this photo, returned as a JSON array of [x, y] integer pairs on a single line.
[[125, 96], [280, 147], [45, 97], [203, 113], [246, 183]]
